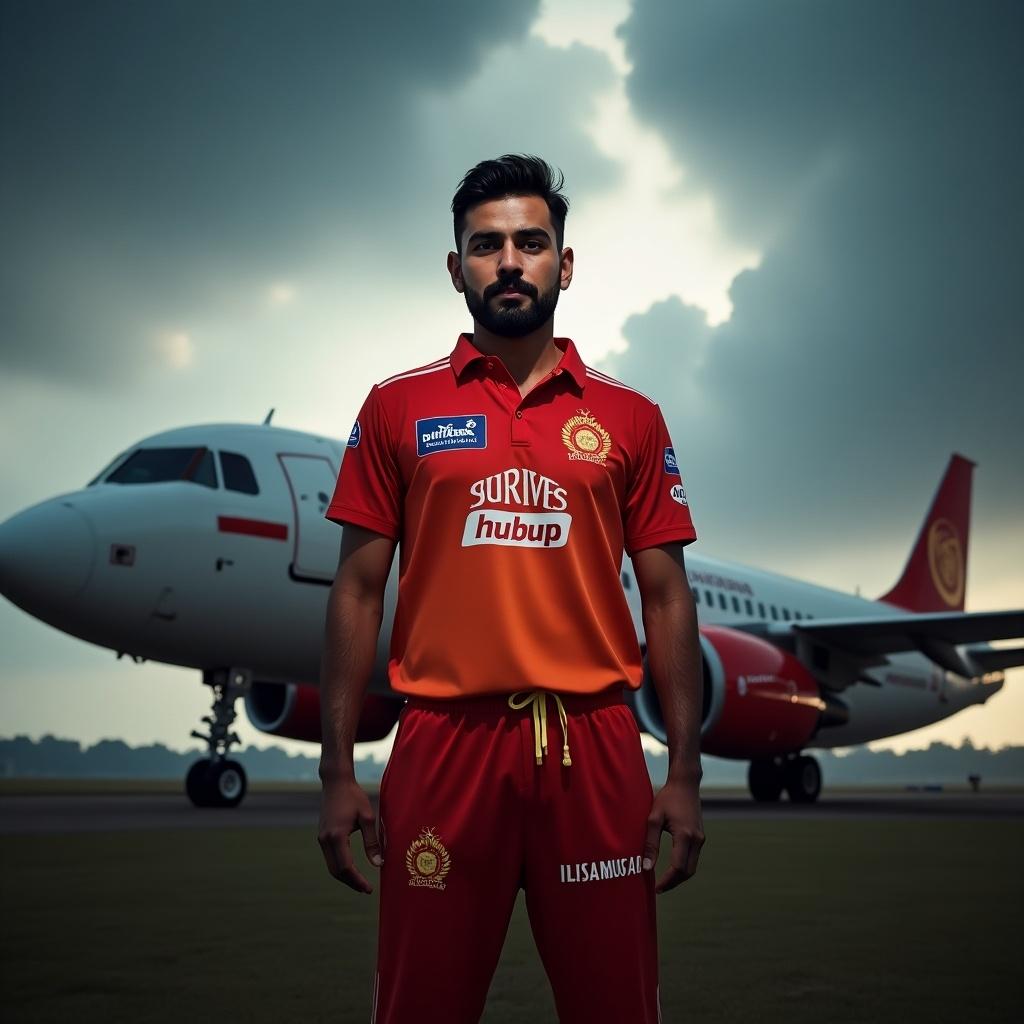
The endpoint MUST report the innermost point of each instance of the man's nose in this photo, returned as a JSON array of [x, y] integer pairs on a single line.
[[510, 258]]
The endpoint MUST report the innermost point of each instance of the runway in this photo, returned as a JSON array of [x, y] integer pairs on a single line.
[[102, 812]]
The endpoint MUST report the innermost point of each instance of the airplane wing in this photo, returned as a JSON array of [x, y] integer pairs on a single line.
[[995, 659], [935, 635]]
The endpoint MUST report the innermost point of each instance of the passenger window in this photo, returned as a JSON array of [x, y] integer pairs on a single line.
[[785, 614], [797, 615], [775, 614], [627, 585], [721, 601], [238, 474], [710, 597], [735, 603], [749, 606], [761, 611], [696, 596]]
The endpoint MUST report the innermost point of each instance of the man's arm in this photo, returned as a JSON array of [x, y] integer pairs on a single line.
[[673, 655], [355, 607]]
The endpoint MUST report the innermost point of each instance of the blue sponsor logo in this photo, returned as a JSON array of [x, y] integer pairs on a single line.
[[353, 438], [445, 433], [671, 466]]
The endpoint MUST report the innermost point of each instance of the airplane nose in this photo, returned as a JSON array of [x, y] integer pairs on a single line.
[[47, 553]]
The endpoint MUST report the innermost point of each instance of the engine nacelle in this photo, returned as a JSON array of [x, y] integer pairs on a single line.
[[292, 710], [758, 700]]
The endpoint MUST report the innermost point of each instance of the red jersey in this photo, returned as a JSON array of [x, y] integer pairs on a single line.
[[512, 513]]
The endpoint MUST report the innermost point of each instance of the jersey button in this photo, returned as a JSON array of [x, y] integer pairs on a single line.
[[558, 370], [519, 414], [490, 364]]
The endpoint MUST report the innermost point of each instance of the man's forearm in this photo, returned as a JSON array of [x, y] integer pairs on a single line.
[[346, 665], [673, 656]]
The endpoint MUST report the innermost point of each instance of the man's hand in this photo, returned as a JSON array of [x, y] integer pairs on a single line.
[[676, 809], [344, 809]]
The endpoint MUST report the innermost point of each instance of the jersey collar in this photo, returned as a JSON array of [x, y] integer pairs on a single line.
[[465, 352]]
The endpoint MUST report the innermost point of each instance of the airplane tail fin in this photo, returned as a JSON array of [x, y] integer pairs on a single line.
[[935, 576]]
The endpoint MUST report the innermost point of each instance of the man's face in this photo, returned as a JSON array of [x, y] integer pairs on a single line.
[[511, 270]]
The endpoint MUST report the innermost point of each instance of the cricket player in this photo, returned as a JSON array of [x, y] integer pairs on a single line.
[[512, 476]]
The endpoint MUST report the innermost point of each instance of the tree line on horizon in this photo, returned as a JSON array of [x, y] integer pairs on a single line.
[[53, 757]]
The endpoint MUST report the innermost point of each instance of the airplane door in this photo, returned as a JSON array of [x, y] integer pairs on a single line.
[[317, 540]]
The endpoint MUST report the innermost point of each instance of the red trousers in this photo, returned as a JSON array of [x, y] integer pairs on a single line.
[[467, 816]]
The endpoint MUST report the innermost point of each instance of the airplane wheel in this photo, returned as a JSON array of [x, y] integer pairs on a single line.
[[802, 779], [196, 785], [764, 779], [227, 783]]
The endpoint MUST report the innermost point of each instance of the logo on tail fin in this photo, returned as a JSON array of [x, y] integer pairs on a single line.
[[935, 576], [946, 562]]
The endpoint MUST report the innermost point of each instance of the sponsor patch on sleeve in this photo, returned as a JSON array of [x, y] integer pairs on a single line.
[[678, 494], [671, 466], [447, 433], [353, 438]]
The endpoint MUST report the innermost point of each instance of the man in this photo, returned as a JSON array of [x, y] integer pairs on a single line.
[[513, 476]]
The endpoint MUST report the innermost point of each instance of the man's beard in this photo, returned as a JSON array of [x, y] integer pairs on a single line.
[[512, 321]]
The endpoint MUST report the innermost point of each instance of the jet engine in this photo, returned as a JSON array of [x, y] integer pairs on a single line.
[[292, 710], [758, 700]]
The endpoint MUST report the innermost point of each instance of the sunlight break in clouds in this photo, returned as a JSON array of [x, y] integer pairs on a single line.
[[176, 349], [683, 250], [281, 293]]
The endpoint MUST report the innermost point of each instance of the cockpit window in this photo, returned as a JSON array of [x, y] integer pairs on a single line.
[[158, 465], [107, 468], [237, 472]]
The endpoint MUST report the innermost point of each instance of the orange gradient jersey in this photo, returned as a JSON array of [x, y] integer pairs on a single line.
[[512, 514]]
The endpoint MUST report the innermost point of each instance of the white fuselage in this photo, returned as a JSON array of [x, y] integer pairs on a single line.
[[206, 576]]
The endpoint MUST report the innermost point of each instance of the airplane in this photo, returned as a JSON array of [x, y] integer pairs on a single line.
[[207, 546]]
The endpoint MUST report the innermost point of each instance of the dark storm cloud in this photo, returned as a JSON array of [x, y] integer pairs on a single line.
[[873, 152], [144, 143]]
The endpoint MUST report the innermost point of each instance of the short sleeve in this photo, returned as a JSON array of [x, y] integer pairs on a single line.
[[656, 509], [369, 491]]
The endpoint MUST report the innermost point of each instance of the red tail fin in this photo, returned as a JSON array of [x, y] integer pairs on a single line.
[[935, 575]]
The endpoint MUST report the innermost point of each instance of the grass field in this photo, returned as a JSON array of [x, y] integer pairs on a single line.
[[789, 920]]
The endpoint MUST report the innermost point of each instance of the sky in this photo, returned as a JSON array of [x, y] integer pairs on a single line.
[[797, 225]]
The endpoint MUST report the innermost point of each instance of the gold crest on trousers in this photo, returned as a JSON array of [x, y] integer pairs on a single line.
[[427, 860]]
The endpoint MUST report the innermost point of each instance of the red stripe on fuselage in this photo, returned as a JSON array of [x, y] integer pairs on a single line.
[[252, 527]]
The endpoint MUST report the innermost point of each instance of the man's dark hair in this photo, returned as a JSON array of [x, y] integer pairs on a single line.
[[511, 175]]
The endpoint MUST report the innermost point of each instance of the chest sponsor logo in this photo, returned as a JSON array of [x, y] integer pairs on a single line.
[[427, 861], [676, 493], [585, 438], [671, 466], [447, 433], [538, 518], [353, 438]]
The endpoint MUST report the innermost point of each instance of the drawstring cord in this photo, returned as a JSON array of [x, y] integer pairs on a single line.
[[538, 698]]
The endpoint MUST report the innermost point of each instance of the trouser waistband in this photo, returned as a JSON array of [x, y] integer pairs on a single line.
[[536, 701], [498, 702]]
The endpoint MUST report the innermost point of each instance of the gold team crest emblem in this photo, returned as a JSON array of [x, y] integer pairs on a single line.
[[427, 860], [585, 438], [946, 561]]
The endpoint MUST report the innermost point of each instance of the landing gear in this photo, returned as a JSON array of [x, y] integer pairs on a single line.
[[218, 781], [798, 774], [802, 779], [764, 777], [215, 783]]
